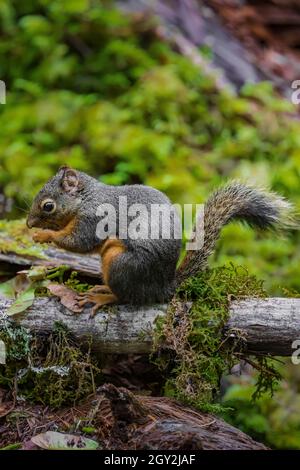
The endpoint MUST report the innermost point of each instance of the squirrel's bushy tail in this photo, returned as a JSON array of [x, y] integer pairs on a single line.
[[235, 201]]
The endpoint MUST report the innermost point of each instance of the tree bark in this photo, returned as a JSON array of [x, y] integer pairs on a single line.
[[89, 265], [270, 325], [267, 326], [158, 423]]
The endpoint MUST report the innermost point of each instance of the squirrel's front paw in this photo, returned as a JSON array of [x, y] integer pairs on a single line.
[[43, 236]]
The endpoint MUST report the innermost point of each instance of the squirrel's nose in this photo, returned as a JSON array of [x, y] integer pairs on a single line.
[[30, 222]]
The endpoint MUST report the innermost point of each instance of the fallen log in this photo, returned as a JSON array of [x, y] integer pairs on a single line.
[[159, 423], [191, 24], [267, 326]]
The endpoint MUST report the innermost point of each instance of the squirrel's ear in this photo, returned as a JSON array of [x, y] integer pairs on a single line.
[[70, 180]]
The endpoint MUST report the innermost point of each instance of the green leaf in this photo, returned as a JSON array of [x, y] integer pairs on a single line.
[[52, 440], [14, 446], [7, 289], [23, 301]]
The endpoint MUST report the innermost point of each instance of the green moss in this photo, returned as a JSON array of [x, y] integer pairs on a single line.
[[190, 345], [272, 420], [89, 430], [50, 370], [15, 238], [74, 283], [15, 446], [17, 341]]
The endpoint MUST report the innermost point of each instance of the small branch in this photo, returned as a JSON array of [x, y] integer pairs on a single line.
[[84, 264]]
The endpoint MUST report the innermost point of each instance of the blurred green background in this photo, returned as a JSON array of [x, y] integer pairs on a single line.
[[100, 91]]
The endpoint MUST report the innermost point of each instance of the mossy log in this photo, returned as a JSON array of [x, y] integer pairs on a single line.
[[267, 326]]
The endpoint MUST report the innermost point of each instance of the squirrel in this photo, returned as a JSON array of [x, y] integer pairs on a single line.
[[138, 270]]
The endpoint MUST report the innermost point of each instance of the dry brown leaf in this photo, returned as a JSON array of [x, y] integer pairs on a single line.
[[6, 408], [68, 297]]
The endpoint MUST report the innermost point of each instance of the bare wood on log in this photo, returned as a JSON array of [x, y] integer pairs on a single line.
[[89, 265], [269, 326]]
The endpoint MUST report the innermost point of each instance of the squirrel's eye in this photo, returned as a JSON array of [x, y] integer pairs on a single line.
[[48, 206]]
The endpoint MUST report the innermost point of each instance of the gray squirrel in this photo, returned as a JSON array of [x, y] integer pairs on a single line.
[[140, 270]]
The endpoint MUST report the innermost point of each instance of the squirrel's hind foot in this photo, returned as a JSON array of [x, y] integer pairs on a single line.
[[103, 289], [99, 296]]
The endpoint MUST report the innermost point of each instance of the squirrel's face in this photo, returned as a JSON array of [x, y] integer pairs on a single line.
[[58, 201]]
